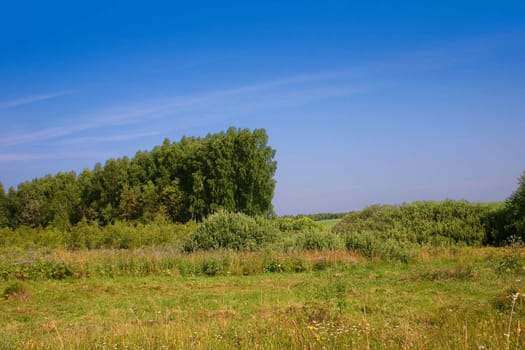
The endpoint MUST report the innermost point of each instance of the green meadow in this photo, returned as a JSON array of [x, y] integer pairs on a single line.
[[179, 248], [446, 298]]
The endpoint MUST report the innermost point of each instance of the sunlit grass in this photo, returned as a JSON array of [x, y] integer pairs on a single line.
[[329, 223], [459, 298]]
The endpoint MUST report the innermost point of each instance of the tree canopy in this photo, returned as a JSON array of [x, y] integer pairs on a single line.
[[184, 180]]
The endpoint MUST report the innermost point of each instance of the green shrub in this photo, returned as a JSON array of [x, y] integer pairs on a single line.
[[297, 224], [507, 221], [436, 223], [90, 235], [372, 246], [210, 267], [318, 241], [515, 209], [36, 270], [27, 237], [236, 231], [273, 266]]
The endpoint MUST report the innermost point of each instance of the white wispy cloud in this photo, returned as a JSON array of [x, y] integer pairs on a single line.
[[27, 156], [217, 105], [109, 138], [270, 94], [13, 139], [32, 99]]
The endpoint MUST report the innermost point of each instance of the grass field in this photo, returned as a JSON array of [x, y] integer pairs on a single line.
[[328, 224], [456, 298]]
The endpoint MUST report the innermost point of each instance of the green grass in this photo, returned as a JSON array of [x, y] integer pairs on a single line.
[[458, 298], [328, 224]]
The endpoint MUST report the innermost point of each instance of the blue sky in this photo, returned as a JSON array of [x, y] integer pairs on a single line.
[[365, 102]]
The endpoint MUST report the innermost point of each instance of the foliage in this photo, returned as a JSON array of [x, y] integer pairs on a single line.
[[318, 240], [27, 237], [437, 223], [373, 246], [36, 270], [184, 180], [507, 221], [515, 211], [90, 235], [297, 224], [226, 230]]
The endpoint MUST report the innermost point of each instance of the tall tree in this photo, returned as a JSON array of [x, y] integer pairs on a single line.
[[232, 171], [175, 203], [255, 167], [113, 178], [130, 203], [64, 203]]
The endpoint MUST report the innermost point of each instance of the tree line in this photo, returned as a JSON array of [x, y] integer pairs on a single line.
[[182, 181]]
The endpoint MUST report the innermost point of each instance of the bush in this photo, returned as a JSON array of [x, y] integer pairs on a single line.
[[236, 231], [27, 237], [127, 235], [372, 246], [36, 270], [273, 266], [297, 224], [509, 221], [210, 268], [436, 223], [318, 241]]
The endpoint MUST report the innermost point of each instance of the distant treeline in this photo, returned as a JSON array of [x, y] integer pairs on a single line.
[[225, 183], [184, 180], [319, 216]]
